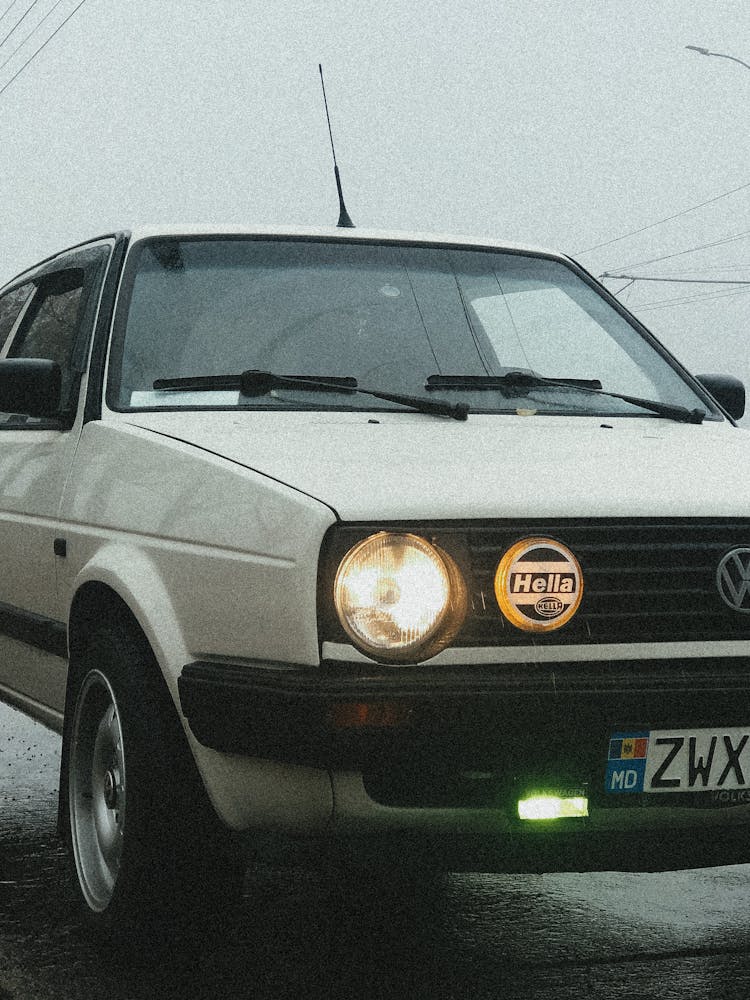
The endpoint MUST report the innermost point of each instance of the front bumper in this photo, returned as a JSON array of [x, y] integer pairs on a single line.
[[433, 760], [455, 736]]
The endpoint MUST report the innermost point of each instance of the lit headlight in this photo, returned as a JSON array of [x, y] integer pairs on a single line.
[[399, 597]]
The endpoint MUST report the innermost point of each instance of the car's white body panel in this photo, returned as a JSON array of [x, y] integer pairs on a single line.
[[32, 468], [192, 515], [485, 467]]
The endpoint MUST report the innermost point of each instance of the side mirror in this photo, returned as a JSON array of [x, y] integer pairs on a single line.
[[30, 385], [728, 392]]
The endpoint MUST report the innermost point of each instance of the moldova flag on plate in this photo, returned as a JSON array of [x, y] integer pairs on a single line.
[[626, 763], [628, 747]]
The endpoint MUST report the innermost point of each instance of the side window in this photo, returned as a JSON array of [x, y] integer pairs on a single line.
[[11, 307], [50, 326]]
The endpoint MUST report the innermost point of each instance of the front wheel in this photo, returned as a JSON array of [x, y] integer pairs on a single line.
[[97, 791], [146, 848]]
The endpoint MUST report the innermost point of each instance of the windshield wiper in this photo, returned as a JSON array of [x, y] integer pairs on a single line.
[[259, 383], [522, 379]]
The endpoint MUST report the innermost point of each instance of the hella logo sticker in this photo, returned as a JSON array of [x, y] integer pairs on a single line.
[[538, 585], [549, 607]]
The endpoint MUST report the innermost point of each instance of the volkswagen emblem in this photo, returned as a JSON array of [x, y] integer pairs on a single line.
[[733, 579]]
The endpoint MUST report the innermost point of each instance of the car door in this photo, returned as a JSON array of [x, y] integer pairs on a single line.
[[50, 314]]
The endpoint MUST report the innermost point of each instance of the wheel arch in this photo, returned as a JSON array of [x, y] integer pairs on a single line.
[[93, 601], [125, 580]]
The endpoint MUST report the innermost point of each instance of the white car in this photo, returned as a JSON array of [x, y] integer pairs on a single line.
[[372, 546]]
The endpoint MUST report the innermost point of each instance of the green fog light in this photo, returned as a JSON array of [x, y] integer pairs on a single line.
[[541, 807]]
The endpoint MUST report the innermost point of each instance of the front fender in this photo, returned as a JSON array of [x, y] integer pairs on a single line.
[[246, 792]]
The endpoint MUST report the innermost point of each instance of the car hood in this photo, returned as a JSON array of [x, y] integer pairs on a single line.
[[403, 466]]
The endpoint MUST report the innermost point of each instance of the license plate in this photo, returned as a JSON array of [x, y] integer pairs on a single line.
[[678, 760]]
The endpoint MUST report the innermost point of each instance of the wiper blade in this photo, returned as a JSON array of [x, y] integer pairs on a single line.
[[255, 383], [260, 383], [514, 378], [522, 379]]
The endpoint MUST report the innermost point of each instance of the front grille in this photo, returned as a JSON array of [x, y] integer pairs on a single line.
[[644, 581]]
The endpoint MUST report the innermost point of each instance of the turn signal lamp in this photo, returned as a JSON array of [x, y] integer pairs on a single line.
[[399, 598], [547, 807], [368, 715]]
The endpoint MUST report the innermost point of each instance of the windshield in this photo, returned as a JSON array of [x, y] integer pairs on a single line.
[[390, 316]]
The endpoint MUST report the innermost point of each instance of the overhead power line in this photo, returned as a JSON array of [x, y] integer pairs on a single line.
[[669, 218], [680, 299], [20, 21], [681, 253], [688, 299], [32, 32], [42, 46], [676, 281], [7, 9], [706, 269]]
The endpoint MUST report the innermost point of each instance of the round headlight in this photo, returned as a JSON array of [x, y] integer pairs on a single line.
[[399, 597]]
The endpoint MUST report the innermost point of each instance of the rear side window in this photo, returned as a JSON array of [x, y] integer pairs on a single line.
[[11, 307], [49, 332], [50, 326]]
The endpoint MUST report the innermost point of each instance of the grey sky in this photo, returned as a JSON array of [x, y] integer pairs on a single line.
[[560, 124]]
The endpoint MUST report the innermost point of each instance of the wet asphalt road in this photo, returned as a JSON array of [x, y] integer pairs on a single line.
[[304, 934]]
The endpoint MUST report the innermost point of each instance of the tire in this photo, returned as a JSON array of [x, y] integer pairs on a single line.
[[147, 851]]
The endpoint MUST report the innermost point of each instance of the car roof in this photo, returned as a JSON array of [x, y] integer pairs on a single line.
[[355, 235]]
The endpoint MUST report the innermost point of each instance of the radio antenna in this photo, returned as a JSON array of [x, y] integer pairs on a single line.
[[344, 220]]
